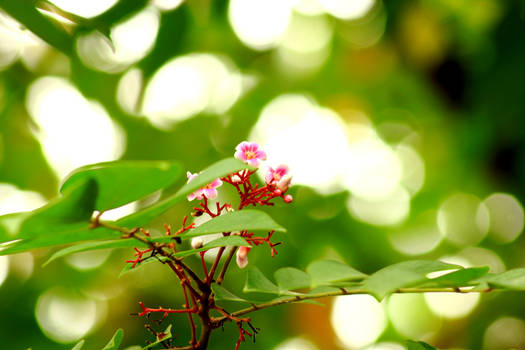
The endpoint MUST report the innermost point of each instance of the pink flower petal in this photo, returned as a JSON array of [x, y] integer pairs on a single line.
[[210, 193]]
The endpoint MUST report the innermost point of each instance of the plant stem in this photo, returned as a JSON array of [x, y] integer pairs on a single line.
[[225, 266]]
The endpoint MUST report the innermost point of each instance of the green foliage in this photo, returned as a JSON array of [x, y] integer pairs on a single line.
[[323, 272], [161, 337], [413, 345], [122, 182], [115, 341], [79, 345]]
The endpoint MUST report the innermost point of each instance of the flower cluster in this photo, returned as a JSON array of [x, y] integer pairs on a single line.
[[277, 182]]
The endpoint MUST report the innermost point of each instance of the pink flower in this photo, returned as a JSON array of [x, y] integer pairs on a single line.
[[242, 256], [276, 175], [209, 190], [249, 153]]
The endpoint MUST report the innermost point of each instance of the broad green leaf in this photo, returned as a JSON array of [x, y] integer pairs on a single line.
[[413, 345], [97, 245], [26, 13], [222, 293], [247, 219], [289, 278], [257, 282], [460, 277], [512, 279], [79, 345], [402, 275], [115, 341], [214, 171], [327, 271], [75, 206], [160, 338], [122, 182], [10, 225]]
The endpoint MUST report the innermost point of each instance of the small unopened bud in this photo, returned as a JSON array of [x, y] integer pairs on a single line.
[[197, 243], [236, 178], [197, 213], [229, 208], [235, 233], [288, 198], [277, 192], [285, 182], [242, 256]]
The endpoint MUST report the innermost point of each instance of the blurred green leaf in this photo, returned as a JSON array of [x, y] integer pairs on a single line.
[[115, 341], [401, 275], [512, 279], [222, 293], [326, 271], [413, 345], [247, 219], [460, 277], [214, 171], [290, 278], [160, 338], [26, 13], [257, 282], [79, 345], [122, 182], [97, 245]]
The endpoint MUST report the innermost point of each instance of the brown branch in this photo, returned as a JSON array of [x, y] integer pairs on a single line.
[[225, 266]]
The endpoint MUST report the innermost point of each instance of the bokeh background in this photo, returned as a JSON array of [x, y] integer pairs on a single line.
[[402, 121]]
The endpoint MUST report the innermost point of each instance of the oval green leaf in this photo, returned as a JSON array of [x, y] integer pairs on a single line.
[[324, 272], [257, 282], [115, 341], [290, 278], [122, 182], [512, 279]]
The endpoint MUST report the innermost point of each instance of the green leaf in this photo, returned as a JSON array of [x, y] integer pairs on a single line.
[[97, 245], [247, 219], [160, 338], [222, 293], [257, 282], [122, 182], [26, 13], [214, 171], [289, 278], [460, 277], [79, 345], [324, 272], [402, 275], [413, 345], [512, 279], [115, 341]]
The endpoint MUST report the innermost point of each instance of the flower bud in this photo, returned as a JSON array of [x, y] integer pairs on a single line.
[[236, 178], [277, 192], [197, 243], [288, 198], [284, 182], [242, 256]]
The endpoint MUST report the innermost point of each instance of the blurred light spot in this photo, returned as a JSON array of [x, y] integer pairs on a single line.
[[374, 170], [88, 260], [289, 131], [358, 320], [366, 31], [56, 105], [13, 40], [386, 346], [306, 44], [387, 211], [345, 9], [260, 24], [189, 85], [483, 257], [132, 40], [65, 317], [411, 317], [413, 175], [14, 200], [85, 8], [4, 268], [129, 91], [418, 237], [505, 333], [167, 5], [308, 7], [506, 217], [452, 305], [463, 219], [118, 213], [296, 344], [22, 265]]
